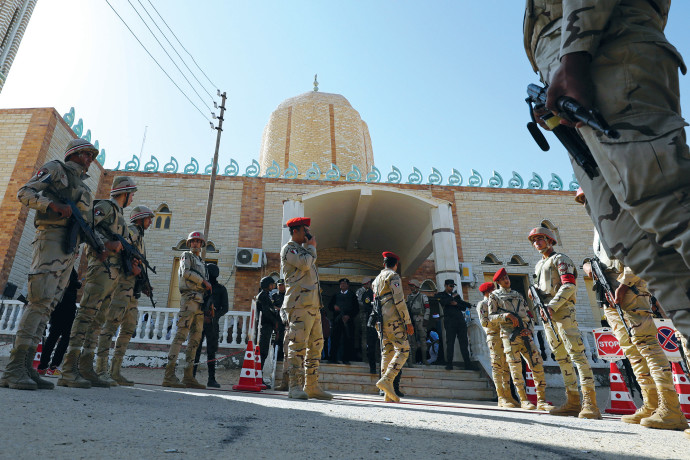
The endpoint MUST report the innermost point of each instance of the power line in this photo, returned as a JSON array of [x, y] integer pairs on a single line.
[[168, 54], [178, 41], [157, 63], [174, 49]]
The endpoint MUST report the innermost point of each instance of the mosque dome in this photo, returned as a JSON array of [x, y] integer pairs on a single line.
[[320, 128]]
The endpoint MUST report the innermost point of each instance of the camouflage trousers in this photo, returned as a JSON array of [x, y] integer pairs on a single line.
[[305, 339], [570, 349], [517, 349], [121, 305], [98, 293], [500, 371], [48, 278], [645, 174], [418, 339], [395, 348], [190, 325], [647, 358]]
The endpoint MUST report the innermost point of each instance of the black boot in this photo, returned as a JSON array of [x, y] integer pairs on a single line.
[[212, 375], [396, 385]]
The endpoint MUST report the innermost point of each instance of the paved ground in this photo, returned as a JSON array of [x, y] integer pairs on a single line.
[[148, 421]]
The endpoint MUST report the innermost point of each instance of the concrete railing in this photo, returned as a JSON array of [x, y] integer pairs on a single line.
[[154, 325]]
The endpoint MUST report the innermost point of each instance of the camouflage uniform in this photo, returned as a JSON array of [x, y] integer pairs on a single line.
[[123, 313], [418, 308], [648, 360], [302, 303], [500, 371], [502, 305], [50, 265], [192, 274], [645, 174], [394, 348]]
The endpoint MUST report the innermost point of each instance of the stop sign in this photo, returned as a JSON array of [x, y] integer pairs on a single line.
[[607, 344]]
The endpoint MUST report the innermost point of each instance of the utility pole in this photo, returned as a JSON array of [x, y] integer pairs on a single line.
[[212, 186]]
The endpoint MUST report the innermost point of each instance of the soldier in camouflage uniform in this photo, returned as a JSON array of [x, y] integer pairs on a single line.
[[661, 407], [499, 368], [418, 307], [302, 303], [192, 284], [397, 325], [99, 288], [555, 277], [122, 311], [51, 265], [509, 309]]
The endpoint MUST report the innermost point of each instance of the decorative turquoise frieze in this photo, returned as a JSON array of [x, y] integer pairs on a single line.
[[475, 179], [496, 181], [273, 170], [69, 117], [555, 183], [101, 157], [291, 172], [574, 184], [435, 178], [535, 182], [151, 165], [133, 164], [355, 175], [171, 166], [415, 177], [117, 168], [374, 176], [455, 178], [192, 167], [87, 136], [253, 169], [232, 170], [516, 181], [78, 128], [394, 177], [209, 168], [333, 173], [313, 173]]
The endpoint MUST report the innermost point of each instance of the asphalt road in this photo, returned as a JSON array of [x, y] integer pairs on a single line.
[[152, 422]]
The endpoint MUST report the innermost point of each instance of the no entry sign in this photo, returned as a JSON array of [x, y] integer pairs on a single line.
[[666, 334], [607, 344]]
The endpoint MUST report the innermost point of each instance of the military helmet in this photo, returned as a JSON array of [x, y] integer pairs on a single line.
[[123, 184], [77, 145], [140, 212], [266, 282], [543, 231], [580, 196], [197, 236]]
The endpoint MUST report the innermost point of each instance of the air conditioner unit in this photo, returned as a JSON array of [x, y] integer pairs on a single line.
[[466, 273], [248, 258]]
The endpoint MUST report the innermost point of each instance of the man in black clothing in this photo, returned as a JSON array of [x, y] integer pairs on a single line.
[[454, 321], [212, 324], [278, 298], [269, 315], [372, 338], [61, 320], [345, 307]]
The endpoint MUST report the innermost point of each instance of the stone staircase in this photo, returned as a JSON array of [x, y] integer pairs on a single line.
[[420, 381]]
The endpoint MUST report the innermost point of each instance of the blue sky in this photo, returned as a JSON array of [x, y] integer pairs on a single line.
[[440, 84]]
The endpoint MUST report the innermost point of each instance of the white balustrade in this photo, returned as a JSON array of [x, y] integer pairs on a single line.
[[10, 312]]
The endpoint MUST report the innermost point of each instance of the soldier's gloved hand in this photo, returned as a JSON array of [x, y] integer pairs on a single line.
[[410, 329], [113, 246], [513, 319], [62, 210]]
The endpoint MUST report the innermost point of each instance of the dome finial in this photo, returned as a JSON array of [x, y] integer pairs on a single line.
[[316, 84]]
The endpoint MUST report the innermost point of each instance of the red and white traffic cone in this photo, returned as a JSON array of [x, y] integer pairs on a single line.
[[621, 400], [248, 380], [531, 387], [682, 384], [37, 356], [257, 368]]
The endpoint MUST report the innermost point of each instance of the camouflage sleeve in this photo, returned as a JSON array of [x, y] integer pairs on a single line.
[[483, 313], [493, 309], [584, 23], [399, 298], [628, 277], [190, 275], [427, 307], [567, 274], [103, 215], [30, 194], [301, 260]]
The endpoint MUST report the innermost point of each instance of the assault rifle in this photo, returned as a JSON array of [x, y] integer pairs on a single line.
[[79, 226], [520, 331], [605, 287], [376, 315], [129, 253], [571, 110], [543, 309]]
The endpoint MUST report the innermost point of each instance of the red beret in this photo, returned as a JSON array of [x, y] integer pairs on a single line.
[[392, 255], [500, 273], [486, 287], [298, 221]]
